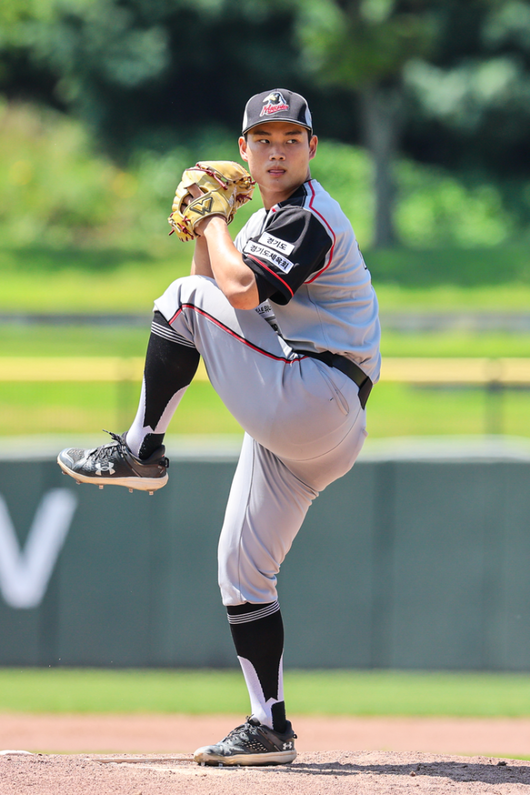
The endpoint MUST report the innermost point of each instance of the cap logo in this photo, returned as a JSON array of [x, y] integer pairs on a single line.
[[274, 103]]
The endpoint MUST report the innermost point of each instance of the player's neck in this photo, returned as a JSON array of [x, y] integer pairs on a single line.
[[272, 197]]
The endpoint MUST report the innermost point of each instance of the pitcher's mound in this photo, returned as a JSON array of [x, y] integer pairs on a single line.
[[333, 772]]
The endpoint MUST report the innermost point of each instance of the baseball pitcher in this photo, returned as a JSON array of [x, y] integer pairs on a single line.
[[286, 320]]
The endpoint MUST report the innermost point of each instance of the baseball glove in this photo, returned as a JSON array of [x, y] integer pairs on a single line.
[[225, 186]]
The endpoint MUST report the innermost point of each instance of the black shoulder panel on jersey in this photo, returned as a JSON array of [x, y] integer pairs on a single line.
[[293, 245]]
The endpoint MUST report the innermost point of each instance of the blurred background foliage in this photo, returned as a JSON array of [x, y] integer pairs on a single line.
[[58, 188], [152, 83], [422, 108]]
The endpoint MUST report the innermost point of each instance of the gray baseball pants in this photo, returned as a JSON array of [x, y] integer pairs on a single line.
[[303, 422]]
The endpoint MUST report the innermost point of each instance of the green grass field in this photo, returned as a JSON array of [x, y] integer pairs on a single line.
[[308, 692], [40, 279]]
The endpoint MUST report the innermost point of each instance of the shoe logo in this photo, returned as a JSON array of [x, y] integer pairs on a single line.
[[100, 468], [288, 746]]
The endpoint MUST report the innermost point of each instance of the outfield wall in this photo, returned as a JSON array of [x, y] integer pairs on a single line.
[[401, 564]]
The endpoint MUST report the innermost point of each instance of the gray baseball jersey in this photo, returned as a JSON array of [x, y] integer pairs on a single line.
[[307, 262]]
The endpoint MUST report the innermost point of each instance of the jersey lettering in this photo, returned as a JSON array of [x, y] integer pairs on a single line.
[[263, 252], [274, 242], [266, 312]]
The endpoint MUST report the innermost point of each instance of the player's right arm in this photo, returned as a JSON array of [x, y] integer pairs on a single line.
[[233, 276], [216, 256]]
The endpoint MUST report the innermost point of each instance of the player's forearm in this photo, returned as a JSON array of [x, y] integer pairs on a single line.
[[201, 265], [232, 275]]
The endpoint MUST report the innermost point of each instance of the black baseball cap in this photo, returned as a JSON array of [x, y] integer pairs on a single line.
[[277, 105]]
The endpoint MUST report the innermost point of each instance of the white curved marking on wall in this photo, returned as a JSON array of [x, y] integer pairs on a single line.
[[25, 573]]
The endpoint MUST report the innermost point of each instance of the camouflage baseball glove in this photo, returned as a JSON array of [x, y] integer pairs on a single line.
[[225, 187]]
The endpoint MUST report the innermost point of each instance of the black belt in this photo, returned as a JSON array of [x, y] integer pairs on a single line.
[[347, 367]]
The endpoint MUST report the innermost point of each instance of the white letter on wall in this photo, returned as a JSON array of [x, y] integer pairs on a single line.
[[24, 574]]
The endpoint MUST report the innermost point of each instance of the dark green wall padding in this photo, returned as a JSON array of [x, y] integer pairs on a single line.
[[401, 564]]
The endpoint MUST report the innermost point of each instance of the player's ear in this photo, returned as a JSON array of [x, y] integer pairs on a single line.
[[313, 143], [243, 148]]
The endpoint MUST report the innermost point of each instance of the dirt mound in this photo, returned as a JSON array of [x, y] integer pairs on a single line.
[[372, 773]]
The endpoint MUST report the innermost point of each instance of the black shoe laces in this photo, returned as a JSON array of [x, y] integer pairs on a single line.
[[105, 453], [245, 729], [248, 729]]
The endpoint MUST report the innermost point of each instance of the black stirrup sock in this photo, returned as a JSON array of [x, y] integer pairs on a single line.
[[170, 364], [257, 632]]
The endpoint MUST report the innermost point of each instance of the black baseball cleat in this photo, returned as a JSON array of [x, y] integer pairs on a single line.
[[250, 744], [114, 464]]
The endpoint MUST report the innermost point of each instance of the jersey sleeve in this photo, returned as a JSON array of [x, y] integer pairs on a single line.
[[293, 245]]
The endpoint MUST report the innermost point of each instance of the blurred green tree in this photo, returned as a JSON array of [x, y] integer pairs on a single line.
[[363, 46], [470, 104], [150, 72], [445, 81]]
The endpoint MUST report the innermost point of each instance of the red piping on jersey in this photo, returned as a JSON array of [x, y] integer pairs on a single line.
[[331, 232], [270, 271], [231, 332]]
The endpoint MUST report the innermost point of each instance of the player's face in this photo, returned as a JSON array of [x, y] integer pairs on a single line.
[[278, 155]]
